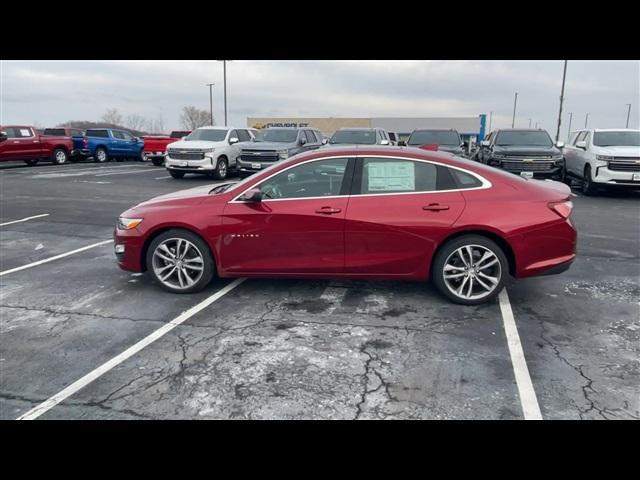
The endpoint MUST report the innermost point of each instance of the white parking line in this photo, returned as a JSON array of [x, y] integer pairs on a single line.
[[51, 259], [528, 399], [24, 219], [160, 178], [126, 173], [129, 352]]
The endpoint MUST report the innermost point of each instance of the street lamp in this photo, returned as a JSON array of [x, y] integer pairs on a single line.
[[210, 100], [529, 123], [490, 119], [570, 118], [224, 74], [628, 113], [564, 75], [515, 101], [586, 119]]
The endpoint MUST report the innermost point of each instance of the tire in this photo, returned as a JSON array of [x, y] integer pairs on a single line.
[[188, 276], [32, 161], [588, 187], [222, 169], [175, 174], [496, 267], [101, 155], [157, 161], [59, 156]]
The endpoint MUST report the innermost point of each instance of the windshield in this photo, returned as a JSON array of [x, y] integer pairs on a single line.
[[280, 135], [425, 137], [617, 139], [206, 134], [244, 181], [358, 137], [529, 138]]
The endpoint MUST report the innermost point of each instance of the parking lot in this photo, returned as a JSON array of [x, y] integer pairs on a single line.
[[294, 349]]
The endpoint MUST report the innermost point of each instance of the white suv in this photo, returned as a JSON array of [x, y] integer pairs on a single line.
[[208, 150], [604, 158]]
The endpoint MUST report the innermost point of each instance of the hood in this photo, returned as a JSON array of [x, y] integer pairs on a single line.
[[267, 145], [196, 145], [190, 196], [622, 151], [526, 150]]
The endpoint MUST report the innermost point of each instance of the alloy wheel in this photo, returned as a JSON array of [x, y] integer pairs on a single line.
[[472, 272], [178, 263]]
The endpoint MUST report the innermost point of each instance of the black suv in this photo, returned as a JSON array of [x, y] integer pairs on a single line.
[[447, 140], [523, 150], [276, 143]]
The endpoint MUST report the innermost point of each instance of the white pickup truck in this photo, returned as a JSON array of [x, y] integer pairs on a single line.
[[207, 150], [603, 158]]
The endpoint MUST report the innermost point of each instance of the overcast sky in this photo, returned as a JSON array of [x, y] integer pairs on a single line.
[[50, 92]]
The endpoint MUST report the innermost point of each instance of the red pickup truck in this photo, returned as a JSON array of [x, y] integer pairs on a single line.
[[20, 142], [155, 146]]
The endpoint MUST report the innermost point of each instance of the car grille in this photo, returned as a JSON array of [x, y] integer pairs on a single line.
[[625, 164], [259, 156], [186, 155], [519, 166]]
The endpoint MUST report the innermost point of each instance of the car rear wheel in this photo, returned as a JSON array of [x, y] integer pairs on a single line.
[[32, 161], [470, 270], [101, 155], [588, 187], [220, 173], [175, 174], [59, 156], [180, 261]]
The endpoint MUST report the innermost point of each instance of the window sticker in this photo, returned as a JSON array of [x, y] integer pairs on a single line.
[[391, 176], [25, 132]]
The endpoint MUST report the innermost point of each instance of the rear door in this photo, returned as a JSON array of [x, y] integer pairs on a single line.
[[399, 211]]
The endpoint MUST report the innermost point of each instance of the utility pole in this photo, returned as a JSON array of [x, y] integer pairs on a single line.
[[628, 113], [570, 118], [490, 118], [529, 123], [211, 101], [224, 69], [515, 101], [586, 119], [564, 75]]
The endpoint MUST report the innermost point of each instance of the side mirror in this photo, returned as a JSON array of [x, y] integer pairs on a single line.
[[560, 144], [303, 141], [233, 140], [253, 195], [384, 142], [402, 143], [485, 143], [581, 144], [324, 141], [3, 136]]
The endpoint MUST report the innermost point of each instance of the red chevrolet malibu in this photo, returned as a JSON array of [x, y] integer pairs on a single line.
[[361, 213]]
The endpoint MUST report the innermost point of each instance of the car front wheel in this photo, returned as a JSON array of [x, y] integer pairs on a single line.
[[588, 187], [180, 261], [470, 270], [220, 173]]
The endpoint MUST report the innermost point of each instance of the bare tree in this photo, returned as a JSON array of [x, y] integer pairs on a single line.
[[135, 122], [154, 125], [112, 116], [193, 118]]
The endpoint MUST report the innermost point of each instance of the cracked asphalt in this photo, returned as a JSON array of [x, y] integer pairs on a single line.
[[289, 349]]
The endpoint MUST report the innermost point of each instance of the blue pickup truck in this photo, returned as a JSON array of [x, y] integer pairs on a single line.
[[108, 143]]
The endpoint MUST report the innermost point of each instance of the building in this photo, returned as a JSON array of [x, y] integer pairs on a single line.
[[467, 127]]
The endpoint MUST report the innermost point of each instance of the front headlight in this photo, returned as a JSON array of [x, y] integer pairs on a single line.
[[603, 158], [125, 223], [283, 154]]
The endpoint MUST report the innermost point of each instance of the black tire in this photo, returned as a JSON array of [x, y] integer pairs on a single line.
[[175, 174], [208, 265], [157, 161], [59, 156], [101, 155], [32, 161], [588, 187], [449, 249], [222, 169]]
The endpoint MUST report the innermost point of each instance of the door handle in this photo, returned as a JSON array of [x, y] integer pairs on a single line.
[[435, 207], [328, 210]]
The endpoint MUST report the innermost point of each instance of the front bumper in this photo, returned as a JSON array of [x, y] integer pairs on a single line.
[[150, 155], [603, 176], [205, 165], [127, 245]]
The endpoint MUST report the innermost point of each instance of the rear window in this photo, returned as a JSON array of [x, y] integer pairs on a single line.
[[354, 137], [525, 138], [178, 134], [54, 131], [425, 137], [98, 133]]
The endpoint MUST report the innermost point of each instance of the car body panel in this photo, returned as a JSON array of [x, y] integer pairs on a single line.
[[32, 146], [115, 147]]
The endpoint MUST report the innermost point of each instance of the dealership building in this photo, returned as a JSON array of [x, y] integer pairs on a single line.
[[467, 127]]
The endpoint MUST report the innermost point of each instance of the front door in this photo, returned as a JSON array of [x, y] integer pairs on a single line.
[[397, 216], [297, 228], [21, 144]]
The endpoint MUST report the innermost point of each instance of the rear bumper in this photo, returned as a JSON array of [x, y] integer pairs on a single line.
[[80, 152]]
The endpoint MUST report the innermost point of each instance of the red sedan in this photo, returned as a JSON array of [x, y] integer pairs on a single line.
[[357, 212]]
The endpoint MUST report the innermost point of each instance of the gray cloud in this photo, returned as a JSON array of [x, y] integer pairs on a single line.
[[52, 92]]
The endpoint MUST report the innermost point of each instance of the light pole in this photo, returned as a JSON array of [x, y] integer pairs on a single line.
[[570, 118], [224, 70], [529, 123], [211, 101], [564, 75], [515, 101], [586, 119], [490, 119], [628, 113]]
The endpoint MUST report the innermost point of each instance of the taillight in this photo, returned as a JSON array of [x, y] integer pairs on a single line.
[[85, 142], [562, 208]]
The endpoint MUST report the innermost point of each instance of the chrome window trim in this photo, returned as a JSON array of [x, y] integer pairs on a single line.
[[485, 183]]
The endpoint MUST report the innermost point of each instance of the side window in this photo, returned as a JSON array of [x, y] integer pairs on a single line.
[[12, 132], [581, 136], [126, 135], [319, 178], [388, 175], [311, 138], [587, 137], [117, 134], [464, 180], [233, 134]]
